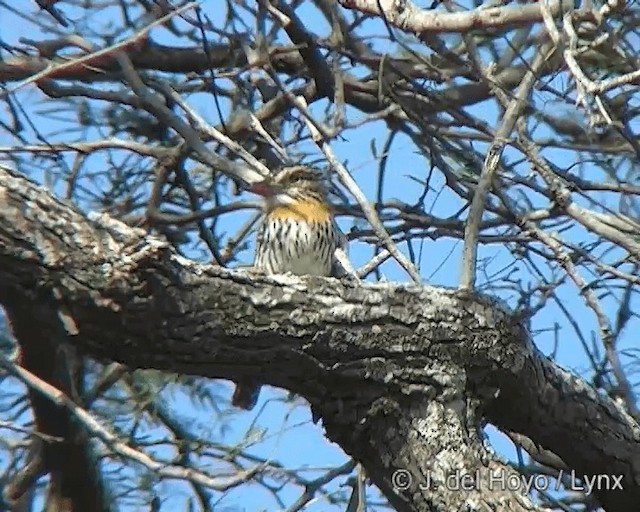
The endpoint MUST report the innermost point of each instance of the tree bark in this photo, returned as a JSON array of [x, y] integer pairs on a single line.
[[402, 376]]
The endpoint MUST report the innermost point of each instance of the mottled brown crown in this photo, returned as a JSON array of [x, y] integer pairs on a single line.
[[301, 181]]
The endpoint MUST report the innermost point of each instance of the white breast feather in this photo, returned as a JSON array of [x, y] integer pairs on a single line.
[[297, 250]]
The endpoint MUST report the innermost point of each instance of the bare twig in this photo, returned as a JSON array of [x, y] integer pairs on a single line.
[[93, 59], [368, 211], [474, 218], [165, 115], [117, 446]]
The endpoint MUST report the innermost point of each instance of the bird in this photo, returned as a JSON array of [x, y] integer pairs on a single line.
[[298, 235]]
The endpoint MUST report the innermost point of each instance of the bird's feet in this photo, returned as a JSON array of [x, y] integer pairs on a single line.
[[251, 270], [350, 280]]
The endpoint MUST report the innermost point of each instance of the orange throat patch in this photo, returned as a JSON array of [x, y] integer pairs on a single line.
[[306, 210]]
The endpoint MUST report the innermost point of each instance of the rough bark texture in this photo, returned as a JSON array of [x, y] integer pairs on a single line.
[[400, 375]]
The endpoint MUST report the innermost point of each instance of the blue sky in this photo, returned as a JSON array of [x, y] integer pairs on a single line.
[[294, 440]]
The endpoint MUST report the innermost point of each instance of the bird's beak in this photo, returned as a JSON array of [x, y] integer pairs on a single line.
[[262, 188], [274, 194]]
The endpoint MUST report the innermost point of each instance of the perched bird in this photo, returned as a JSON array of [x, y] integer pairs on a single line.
[[298, 235]]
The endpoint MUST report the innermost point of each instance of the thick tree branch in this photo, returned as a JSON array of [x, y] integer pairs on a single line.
[[407, 16], [360, 93], [401, 375]]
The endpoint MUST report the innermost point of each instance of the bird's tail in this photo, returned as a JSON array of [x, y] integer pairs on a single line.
[[246, 395]]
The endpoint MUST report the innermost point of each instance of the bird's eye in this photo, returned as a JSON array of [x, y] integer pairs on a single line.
[[297, 178]]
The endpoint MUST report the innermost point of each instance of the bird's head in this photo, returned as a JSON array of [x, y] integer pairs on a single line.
[[292, 184], [294, 190]]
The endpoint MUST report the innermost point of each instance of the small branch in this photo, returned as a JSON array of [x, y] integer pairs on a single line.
[[94, 59], [89, 147], [359, 196], [373, 263], [583, 82], [306, 43], [215, 134], [118, 447], [474, 218], [153, 104], [406, 16]]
